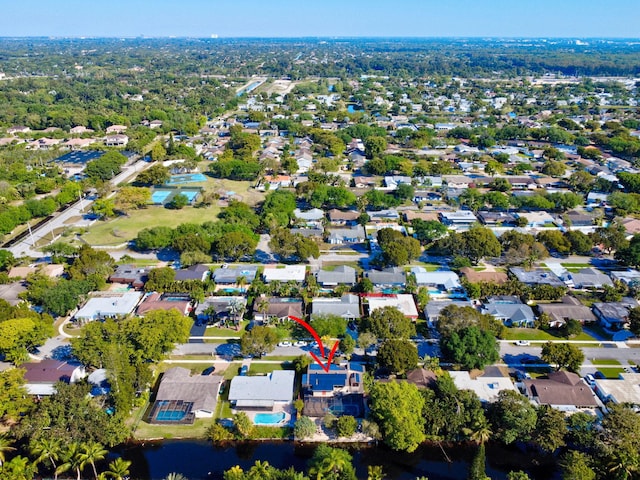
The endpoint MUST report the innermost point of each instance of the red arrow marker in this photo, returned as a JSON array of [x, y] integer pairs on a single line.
[[320, 345], [331, 354], [311, 331]]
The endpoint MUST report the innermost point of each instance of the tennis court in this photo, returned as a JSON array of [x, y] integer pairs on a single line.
[[160, 196], [186, 178]]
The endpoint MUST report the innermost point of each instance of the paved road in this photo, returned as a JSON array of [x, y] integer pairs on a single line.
[[26, 246], [514, 354]]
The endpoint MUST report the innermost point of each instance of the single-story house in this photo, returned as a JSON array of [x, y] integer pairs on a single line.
[[348, 307], [165, 301], [577, 219], [341, 275], [110, 305], [280, 308], [625, 389], [213, 309], [434, 307], [194, 272], [387, 278], [627, 277], [403, 302], [309, 217], [340, 218], [230, 275], [422, 378], [41, 377], [286, 273], [561, 390], [536, 219], [536, 277], [614, 315], [52, 270], [182, 398], [308, 232], [473, 276], [459, 218], [590, 278], [345, 378], [442, 280], [510, 311], [338, 236], [569, 308], [130, 275], [486, 388], [262, 392], [497, 218]]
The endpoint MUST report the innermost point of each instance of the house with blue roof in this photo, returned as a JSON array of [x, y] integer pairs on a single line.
[[340, 391]]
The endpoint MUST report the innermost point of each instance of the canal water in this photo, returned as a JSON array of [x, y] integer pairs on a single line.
[[200, 460]]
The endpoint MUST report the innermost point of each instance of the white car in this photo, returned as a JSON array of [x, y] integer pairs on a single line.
[[285, 344], [300, 343], [523, 343]]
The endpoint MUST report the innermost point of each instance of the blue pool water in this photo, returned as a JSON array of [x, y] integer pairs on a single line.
[[170, 415], [269, 418], [187, 178]]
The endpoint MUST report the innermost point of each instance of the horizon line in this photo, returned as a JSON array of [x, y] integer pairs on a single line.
[[324, 37]]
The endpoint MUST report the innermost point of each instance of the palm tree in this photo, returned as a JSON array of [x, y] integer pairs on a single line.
[[93, 452], [374, 472], [5, 446], [334, 462], [72, 460], [260, 470], [119, 468], [241, 281], [175, 476], [481, 432], [263, 307], [47, 449]]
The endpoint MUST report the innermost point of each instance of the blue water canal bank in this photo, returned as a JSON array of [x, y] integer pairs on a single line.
[[200, 460]]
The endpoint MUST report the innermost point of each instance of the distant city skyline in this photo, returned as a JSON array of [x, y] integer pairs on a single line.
[[330, 18]]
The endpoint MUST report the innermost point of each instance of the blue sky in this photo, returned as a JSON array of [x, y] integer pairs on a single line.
[[295, 18]]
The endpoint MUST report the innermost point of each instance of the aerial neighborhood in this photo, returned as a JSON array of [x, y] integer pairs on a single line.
[[181, 266]]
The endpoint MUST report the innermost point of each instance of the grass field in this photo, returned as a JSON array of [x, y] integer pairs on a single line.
[[226, 332], [611, 373], [146, 431], [257, 368], [536, 334], [123, 229], [605, 361]]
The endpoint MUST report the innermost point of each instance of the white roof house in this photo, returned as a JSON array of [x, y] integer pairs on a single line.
[[262, 391], [445, 279], [464, 217], [110, 306], [402, 301], [284, 273], [487, 388], [625, 389]]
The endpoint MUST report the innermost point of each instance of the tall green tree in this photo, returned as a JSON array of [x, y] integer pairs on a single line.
[[563, 355]]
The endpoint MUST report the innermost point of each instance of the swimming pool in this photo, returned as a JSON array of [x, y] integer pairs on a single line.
[[269, 418], [170, 415], [186, 178]]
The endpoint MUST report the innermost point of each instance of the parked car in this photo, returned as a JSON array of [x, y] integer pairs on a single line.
[[590, 379], [209, 370], [244, 370], [300, 343], [285, 344], [523, 343]]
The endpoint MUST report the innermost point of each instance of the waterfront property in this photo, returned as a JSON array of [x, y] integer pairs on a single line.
[[182, 398], [41, 377], [339, 391], [265, 398], [562, 390]]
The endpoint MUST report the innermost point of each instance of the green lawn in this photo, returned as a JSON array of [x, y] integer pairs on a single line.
[[605, 361], [232, 370], [536, 334], [226, 332], [612, 373], [146, 431], [123, 229]]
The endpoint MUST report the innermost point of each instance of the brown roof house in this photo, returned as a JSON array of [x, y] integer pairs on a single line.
[[130, 275], [279, 308], [182, 398], [564, 391], [569, 308], [41, 377], [483, 277], [422, 378], [165, 301]]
